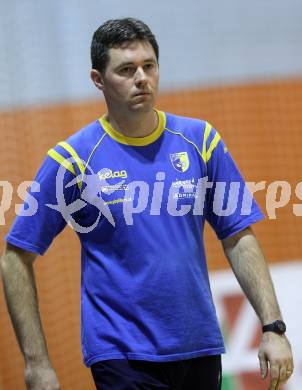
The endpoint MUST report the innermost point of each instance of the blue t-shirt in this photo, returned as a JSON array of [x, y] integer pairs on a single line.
[[139, 206]]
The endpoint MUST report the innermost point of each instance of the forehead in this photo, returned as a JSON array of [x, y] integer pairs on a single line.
[[136, 51]]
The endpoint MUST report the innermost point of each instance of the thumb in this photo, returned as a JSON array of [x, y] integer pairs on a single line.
[[263, 366]]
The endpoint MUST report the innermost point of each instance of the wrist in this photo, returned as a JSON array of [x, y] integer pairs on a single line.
[[37, 360], [278, 327]]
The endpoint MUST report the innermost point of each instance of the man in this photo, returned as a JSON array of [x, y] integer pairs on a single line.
[[144, 184]]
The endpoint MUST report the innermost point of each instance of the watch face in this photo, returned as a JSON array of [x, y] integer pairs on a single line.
[[277, 327], [280, 327]]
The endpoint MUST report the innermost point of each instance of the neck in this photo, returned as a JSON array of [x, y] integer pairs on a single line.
[[134, 125]]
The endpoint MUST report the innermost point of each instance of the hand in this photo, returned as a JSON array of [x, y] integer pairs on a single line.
[[40, 376], [275, 350]]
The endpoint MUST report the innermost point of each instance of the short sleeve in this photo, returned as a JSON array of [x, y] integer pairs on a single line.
[[229, 206], [41, 220]]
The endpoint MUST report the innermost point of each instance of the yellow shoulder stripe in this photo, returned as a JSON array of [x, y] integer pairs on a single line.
[[204, 144], [206, 154], [61, 160], [74, 154], [212, 146]]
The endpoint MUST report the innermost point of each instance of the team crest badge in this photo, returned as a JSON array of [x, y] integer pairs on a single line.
[[180, 161]]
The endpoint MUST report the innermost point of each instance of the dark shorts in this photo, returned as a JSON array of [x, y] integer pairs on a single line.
[[203, 373]]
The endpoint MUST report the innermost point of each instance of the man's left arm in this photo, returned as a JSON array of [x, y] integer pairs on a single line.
[[250, 268]]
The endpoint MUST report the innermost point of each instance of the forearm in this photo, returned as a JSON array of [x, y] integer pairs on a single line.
[[22, 302], [250, 268]]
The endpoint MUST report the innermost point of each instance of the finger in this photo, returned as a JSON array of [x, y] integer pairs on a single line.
[[283, 373], [291, 366], [273, 385], [289, 370], [263, 366], [288, 374], [274, 376]]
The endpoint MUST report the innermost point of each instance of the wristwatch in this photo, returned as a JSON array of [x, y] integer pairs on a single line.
[[278, 327]]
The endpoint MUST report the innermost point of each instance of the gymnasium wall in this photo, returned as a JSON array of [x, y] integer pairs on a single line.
[[45, 46], [259, 122]]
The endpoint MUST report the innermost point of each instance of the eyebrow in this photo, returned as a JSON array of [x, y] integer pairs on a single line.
[[132, 63]]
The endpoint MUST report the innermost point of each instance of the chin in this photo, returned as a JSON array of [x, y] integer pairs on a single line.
[[142, 107]]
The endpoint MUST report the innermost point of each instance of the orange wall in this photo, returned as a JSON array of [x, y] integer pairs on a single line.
[[261, 125]]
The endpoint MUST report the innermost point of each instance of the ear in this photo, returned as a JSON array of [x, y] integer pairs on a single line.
[[97, 79]]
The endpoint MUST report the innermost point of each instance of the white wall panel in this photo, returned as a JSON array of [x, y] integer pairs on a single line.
[[44, 46]]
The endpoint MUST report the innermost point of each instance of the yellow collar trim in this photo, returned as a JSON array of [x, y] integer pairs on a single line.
[[135, 141]]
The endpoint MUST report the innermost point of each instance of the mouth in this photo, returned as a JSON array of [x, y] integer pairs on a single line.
[[142, 94]]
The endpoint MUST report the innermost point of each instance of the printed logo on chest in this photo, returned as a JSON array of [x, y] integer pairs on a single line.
[[180, 161]]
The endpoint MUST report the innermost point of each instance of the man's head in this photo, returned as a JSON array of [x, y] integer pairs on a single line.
[[124, 55], [115, 33]]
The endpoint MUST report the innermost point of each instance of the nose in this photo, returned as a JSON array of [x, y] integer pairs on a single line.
[[140, 76]]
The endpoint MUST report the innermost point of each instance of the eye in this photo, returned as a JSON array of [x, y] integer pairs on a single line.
[[126, 70], [149, 66]]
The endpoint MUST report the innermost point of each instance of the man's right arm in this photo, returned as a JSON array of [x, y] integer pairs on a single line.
[[22, 302]]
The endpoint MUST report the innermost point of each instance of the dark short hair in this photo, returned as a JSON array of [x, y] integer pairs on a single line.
[[114, 33]]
